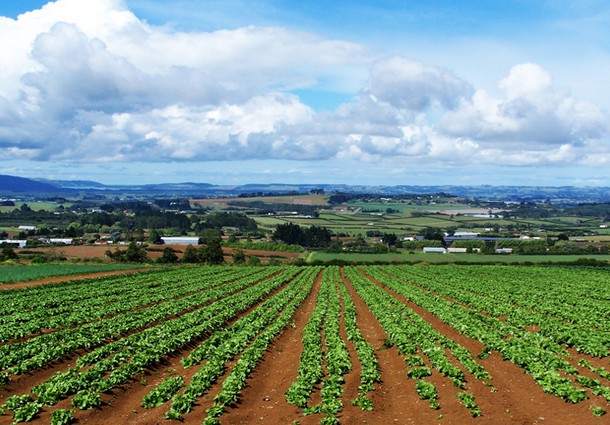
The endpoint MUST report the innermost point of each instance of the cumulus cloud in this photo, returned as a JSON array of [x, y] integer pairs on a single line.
[[532, 112], [89, 81], [409, 84]]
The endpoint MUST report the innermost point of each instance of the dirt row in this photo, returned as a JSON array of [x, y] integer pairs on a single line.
[[514, 398]]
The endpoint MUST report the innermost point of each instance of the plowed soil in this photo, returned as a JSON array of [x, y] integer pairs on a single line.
[[98, 251]]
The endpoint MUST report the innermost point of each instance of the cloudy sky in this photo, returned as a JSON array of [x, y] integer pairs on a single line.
[[511, 92]]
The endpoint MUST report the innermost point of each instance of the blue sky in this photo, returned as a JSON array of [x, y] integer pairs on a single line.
[[358, 92]]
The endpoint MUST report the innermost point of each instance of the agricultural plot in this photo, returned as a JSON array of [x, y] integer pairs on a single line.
[[12, 274], [307, 345]]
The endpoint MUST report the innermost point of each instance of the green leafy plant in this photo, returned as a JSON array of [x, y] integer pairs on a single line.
[[598, 411], [86, 399], [62, 417], [427, 391], [163, 392], [467, 400]]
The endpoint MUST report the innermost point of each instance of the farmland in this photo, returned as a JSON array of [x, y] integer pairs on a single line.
[[288, 344], [12, 274]]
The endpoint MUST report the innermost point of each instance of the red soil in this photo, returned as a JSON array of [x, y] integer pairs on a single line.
[[154, 251]]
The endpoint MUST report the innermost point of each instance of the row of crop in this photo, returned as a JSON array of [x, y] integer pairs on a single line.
[[566, 319], [55, 296], [148, 348], [138, 291], [15, 274], [58, 298], [569, 294], [224, 345], [132, 344], [413, 336], [337, 356], [236, 381], [36, 352], [539, 356], [369, 374], [311, 363]]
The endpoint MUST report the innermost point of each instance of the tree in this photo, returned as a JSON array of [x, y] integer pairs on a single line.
[[239, 257], [7, 253], [212, 252], [219, 220], [317, 237], [433, 234], [390, 239], [489, 247], [207, 235], [293, 234], [289, 233], [135, 253], [190, 255], [451, 230], [253, 260], [154, 237], [73, 230], [169, 255]]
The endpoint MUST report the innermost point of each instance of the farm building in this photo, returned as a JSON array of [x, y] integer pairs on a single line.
[[433, 250], [60, 241], [457, 250], [464, 235], [180, 240], [21, 243], [27, 227]]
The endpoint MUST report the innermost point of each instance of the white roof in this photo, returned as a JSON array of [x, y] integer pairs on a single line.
[[180, 240]]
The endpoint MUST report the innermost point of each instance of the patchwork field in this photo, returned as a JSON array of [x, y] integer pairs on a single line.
[[371, 344]]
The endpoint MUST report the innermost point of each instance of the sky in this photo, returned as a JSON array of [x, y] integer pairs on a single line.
[[365, 92]]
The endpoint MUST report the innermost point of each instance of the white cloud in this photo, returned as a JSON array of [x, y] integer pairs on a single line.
[[90, 82], [532, 114], [193, 133], [409, 84]]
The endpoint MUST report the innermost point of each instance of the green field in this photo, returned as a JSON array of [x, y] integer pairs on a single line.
[[21, 273], [511, 344], [35, 206], [418, 257], [404, 223]]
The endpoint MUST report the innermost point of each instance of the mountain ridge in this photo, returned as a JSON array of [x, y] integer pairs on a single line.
[[557, 194]]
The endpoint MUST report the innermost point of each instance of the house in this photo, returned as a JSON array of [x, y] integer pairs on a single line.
[[180, 240]]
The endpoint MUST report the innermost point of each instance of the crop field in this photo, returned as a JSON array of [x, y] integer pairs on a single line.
[[12, 274], [224, 203], [404, 256], [307, 345]]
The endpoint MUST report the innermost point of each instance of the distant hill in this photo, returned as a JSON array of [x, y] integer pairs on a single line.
[[75, 184], [12, 184], [565, 195]]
